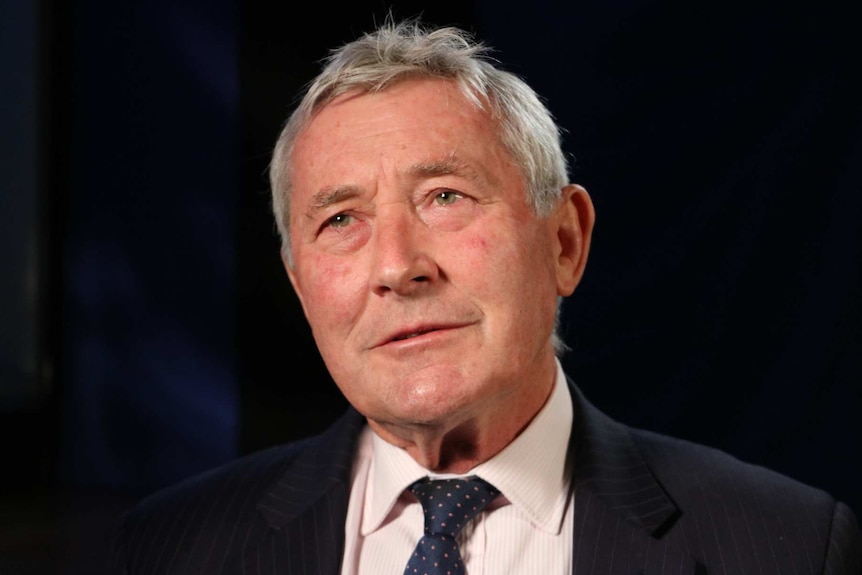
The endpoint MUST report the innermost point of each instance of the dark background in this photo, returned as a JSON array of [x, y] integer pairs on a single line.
[[149, 332]]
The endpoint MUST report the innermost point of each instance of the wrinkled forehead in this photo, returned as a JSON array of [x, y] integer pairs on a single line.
[[419, 99], [418, 114]]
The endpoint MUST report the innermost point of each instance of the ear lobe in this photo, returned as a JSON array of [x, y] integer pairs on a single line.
[[575, 217]]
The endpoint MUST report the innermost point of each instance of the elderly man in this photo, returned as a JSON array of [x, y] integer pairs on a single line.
[[429, 229]]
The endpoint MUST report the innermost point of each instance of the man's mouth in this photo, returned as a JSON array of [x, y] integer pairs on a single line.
[[416, 330], [412, 335]]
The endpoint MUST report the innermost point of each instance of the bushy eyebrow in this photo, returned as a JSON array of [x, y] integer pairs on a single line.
[[329, 196], [449, 166]]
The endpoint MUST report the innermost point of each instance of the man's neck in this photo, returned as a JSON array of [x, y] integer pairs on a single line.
[[463, 441]]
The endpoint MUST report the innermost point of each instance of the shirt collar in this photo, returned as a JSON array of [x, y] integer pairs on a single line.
[[529, 472]]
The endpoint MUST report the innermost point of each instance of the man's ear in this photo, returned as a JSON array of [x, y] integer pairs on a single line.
[[574, 221], [294, 281]]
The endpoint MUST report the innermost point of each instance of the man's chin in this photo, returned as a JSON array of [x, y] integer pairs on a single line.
[[427, 411]]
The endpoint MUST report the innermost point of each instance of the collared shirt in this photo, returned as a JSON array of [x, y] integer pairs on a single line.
[[528, 529]]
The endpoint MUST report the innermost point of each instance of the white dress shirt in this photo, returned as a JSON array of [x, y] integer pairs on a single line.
[[525, 530]]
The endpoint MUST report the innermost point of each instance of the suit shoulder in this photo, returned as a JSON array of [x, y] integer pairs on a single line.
[[169, 530], [761, 514], [247, 474], [691, 470], [205, 523]]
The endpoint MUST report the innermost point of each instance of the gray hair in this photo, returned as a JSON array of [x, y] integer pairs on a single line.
[[400, 51]]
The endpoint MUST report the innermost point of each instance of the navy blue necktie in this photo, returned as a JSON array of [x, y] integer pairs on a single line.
[[448, 505]]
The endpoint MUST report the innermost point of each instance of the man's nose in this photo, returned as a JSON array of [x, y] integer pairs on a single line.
[[403, 262]]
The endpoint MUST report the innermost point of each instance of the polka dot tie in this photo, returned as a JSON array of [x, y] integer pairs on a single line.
[[448, 505]]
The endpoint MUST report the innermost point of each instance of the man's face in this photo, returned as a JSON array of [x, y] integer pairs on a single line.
[[429, 283]]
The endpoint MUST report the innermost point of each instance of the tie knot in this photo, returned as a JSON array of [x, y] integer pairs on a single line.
[[449, 504]]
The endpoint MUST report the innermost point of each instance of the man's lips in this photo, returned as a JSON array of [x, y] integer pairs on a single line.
[[411, 335], [408, 333]]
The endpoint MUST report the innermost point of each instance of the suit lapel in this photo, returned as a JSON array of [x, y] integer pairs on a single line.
[[621, 510], [305, 509]]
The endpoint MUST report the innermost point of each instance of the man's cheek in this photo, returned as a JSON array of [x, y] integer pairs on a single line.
[[477, 243], [336, 290]]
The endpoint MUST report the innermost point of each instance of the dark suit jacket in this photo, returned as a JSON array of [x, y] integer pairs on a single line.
[[644, 504]]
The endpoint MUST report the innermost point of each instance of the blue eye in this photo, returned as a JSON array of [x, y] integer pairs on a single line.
[[447, 198]]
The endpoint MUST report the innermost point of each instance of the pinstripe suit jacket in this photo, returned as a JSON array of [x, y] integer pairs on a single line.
[[644, 504]]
